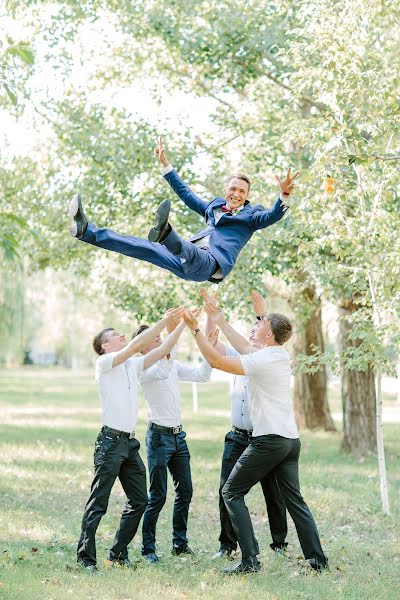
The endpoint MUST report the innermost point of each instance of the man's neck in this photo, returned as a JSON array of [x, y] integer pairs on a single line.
[[271, 344]]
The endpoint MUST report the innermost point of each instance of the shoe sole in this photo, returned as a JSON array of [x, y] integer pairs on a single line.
[[162, 214], [73, 210]]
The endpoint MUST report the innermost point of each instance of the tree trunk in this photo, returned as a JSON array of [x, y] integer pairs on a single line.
[[310, 390], [358, 395]]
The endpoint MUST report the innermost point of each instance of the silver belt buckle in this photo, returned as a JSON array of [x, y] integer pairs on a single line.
[[177, 429], [132, 435]]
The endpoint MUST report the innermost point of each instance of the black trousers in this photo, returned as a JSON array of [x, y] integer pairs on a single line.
[[235, 445], [115, 456], [265, 455], [167, 451]]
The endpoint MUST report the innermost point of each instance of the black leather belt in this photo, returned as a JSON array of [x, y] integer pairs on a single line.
[[172, 430], [243, 432], [107, 429]]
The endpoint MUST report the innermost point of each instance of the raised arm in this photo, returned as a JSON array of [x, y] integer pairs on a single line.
[[212, 332], [212, 356], [144, 338], [154, 355], [264, 217], [258, 304], [178, 185], [235, 339]]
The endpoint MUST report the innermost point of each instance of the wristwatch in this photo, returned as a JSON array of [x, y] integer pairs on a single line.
[[195, 332], [260, 317]]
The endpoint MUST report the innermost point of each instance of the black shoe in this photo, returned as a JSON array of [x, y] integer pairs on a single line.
[[318, 566], [151, 558], [280, 549], [78, 221], [122, 562], [161, 226], [182, 550], [88, 567], [224, 553], [248, 565]]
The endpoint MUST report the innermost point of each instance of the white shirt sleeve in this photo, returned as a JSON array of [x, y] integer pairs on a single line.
[[160, 370], [166, 170], [253, 363], [187, 373], [229, 351], [104, 364], [136, 365]]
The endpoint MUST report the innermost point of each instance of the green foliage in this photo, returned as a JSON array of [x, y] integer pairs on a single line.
[[11, 56], [311, 84]]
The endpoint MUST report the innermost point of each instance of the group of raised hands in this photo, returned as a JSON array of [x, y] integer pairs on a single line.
[[213, 311]]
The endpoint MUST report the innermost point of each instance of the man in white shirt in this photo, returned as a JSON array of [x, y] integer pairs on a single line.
[[275, 444], [116, 449], [236, 442], [166, 445]]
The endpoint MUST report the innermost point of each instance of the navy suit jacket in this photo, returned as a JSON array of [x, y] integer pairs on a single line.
[[233, 231]]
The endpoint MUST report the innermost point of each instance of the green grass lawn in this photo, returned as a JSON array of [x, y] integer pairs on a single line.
[[49, 422]]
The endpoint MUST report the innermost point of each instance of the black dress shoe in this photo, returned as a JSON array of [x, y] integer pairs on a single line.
[[88, 567], [248, 565], [182, 550], [78, 221], [151, 558], [161, 226], [280, 549], [318, 566], [122, 562]]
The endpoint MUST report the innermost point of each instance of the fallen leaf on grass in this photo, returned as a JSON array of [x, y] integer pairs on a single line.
[[108, 563]]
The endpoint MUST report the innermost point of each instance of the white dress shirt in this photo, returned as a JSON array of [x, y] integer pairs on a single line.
[[161, 390], [240, 414], [271, 407], [118, 391]]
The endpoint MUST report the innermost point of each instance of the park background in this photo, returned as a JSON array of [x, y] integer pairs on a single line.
[[85, 89]]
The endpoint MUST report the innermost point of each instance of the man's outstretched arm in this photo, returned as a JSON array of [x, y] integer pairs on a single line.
[[154, 355], [268, 216], [147, 336], [212, 356], [235, 339], [180, 188]]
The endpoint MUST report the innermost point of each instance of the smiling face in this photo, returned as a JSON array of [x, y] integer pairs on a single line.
[[236, 192]]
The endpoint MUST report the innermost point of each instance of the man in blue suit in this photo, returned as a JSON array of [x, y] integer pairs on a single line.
[[210, 254]]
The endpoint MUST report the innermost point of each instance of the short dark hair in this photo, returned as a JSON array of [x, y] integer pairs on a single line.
[[139, 330], [281, 327], [98, 340], [239, 176]]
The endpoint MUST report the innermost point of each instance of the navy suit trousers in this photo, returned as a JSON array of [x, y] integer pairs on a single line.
[[187, 261], [167, 452]]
